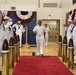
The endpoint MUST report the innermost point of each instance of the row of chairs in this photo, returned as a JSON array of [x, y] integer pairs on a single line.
[[10, 55], [63, 49]]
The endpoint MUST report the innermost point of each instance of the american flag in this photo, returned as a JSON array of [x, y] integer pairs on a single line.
[[71, 14]]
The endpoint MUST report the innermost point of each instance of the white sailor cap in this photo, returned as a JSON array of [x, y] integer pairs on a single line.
[[10, 19], [69, 20], [75, 17], [6, 17], [18, 21]]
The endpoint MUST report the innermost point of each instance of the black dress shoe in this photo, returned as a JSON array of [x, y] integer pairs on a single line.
[[33, 53], [41, 55], [75, 64], [0, 72]]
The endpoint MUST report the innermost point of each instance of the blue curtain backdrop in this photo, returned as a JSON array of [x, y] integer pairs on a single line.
[[31, 25]]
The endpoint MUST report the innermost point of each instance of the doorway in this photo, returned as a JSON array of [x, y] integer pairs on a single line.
[[54, 26]]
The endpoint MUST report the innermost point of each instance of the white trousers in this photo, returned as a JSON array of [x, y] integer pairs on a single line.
[[75, 59], [0, 49], [68, 46], [20, 36], [1, 44], [10, 34], [74, 43], [7, 35], [46, 40], [40, 44]]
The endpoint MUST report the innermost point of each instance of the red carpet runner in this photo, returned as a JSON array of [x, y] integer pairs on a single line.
[[40, 66]]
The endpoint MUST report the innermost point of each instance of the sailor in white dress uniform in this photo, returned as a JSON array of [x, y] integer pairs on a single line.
[[19, 31], [7, 23], [46, 35], [2, 33], [74, 40], [10, 29], [68, 32], [39, 30]]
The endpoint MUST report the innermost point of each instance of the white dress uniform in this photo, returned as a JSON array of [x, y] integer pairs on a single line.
[[69, 34], [46, 36], [19, 30], [2, 35], [74, 43], [15, 25], [7, 30], [11, 32], [39, 38]]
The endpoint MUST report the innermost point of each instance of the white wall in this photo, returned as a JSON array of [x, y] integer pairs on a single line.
[[29, 7], [67, 6], [21, 2], [26, 2], [42, 13], [56, 13], [2, 1]]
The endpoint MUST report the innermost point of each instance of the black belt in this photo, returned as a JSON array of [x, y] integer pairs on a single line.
[[39, 35]]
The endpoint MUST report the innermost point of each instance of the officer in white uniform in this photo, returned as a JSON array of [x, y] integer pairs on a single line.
[[39, 30], [19, 31], [74, 40], [68, 32], [14, 29], [7, 23], [2, 33], [69, 29], [10, 29], [46, 35]]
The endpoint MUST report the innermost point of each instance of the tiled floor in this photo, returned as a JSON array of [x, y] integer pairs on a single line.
[[51, 50]]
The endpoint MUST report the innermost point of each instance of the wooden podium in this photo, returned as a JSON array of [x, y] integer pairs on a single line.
[[26, 44]]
